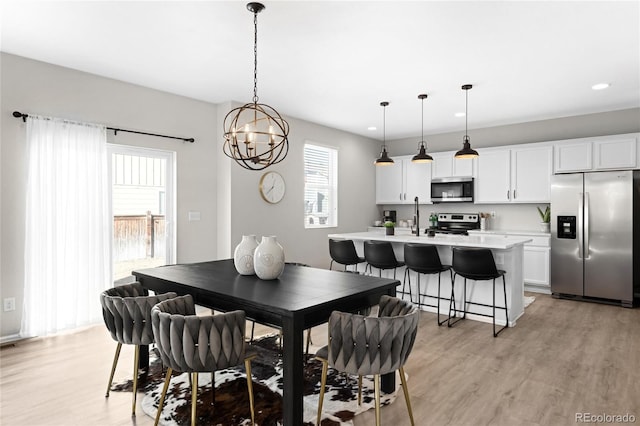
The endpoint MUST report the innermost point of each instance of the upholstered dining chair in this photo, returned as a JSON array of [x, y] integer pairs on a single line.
[[194, 344], [361, 345], [126, 310]]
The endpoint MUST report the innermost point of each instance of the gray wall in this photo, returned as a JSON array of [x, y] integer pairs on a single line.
[[225, 194]]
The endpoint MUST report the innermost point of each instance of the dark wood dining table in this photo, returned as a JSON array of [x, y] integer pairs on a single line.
[[300, 298]]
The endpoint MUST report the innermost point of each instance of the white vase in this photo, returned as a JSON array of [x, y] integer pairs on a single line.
[[243, 255], [268, 259], [545, 227]]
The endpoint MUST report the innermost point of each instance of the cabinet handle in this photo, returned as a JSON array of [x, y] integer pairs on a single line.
[[508, 194], [514, 194], [401, 196]]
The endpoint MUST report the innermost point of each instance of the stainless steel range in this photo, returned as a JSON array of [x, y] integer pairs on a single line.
[[457, 223]]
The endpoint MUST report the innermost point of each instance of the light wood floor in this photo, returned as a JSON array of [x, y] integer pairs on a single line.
[[562, 358]]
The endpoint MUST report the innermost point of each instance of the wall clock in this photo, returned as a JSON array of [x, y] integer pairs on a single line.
[[272, 187]]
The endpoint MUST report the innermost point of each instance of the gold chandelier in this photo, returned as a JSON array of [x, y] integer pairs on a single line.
[[255, 134]]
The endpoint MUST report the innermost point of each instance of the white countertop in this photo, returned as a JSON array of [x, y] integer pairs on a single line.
[[484, 241], [509, 232]]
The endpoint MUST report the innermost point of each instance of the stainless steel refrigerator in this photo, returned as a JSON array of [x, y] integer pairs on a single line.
[[594, 227]]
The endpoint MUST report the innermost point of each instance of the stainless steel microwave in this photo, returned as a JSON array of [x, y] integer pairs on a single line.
[[452, 190]]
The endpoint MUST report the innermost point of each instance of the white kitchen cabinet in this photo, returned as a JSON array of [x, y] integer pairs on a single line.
[[402, 181], [446, 165], [617, 152], [514, 175]]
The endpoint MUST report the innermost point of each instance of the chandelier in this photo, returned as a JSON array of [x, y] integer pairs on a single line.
[[384, 159], [422, 156], [255, 134]]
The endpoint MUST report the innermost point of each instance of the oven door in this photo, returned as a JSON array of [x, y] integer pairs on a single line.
[[452, 190]]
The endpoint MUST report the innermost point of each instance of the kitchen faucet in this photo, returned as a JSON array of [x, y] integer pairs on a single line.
[[416, 217]]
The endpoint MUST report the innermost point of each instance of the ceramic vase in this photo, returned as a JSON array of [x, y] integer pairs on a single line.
[[545, 227], [243, 255], [268, 259], [390, 230]]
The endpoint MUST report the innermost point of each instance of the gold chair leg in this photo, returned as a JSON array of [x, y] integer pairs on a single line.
[[403, 380], [136, 362], [306, 352], [113, 368], [162, 396], [376, 387], [194, 398], [323, 382], [359, 390], [247, 366]]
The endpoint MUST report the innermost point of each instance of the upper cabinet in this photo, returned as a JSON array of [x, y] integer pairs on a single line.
[[520, 174], [616, 152], [446, 165], [403, 181]]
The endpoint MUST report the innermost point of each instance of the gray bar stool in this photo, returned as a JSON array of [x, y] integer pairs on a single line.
[[424, 259], [379, 254], [344, 253], [476, 264]]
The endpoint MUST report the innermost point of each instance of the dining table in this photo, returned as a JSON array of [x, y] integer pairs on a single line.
[[300, 298]]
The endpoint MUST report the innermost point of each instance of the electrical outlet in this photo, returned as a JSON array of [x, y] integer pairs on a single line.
[[9, 304], [493, 215]]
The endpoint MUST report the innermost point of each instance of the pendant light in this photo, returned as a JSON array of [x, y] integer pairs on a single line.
[[384, 159], [255, 134], [466, 151], [422, 156]]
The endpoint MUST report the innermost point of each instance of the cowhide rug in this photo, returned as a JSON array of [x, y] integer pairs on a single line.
[[231, 405]]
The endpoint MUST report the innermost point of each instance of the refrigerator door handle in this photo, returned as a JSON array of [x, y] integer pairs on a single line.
[[586, 225], [579, 224]]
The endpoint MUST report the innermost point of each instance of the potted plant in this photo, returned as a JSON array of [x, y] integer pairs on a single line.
[[389, 227], [545, 216]]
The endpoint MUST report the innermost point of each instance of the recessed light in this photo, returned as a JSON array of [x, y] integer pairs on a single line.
[[372, 128], [459, 114], [600, 86]]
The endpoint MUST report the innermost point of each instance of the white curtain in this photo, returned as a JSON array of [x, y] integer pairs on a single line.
[[68, 225]]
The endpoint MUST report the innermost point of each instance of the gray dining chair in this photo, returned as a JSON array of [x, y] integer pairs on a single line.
[[362, 345], [126, 310], [195, 344]]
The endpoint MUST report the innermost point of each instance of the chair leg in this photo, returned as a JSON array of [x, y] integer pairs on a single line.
[[194, 398], [113, 368], [359, 390], [376, 387], [323, 383], [306, 351], [403, 379], [136, 363], [494, 308], [331, 264], [253, 327], [163, 395], [419, 294], [247, 366], [506, 311]]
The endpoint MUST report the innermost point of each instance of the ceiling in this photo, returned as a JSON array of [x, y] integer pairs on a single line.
[[333, 62]]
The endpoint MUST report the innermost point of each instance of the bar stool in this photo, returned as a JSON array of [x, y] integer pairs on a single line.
[[424, 259], [344, 253], [477, 264], [379, 254]]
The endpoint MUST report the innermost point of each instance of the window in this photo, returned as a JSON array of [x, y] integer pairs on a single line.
[[320, 186], [142, 206]]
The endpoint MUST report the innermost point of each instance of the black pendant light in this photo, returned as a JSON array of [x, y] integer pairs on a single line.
[[384, 159], [422, 156], [466, 151], [255, 134]]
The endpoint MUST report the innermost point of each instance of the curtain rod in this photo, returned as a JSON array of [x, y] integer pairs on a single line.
[[18, 114]]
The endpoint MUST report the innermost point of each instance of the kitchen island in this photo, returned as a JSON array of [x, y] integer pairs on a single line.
[[507, 252]]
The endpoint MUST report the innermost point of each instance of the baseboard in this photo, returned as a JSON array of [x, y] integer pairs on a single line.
[[10, 339]]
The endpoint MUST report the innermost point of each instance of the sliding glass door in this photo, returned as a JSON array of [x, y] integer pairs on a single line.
[[143, 206]]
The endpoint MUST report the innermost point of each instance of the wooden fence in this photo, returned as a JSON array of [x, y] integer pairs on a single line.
[[138, 237]]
